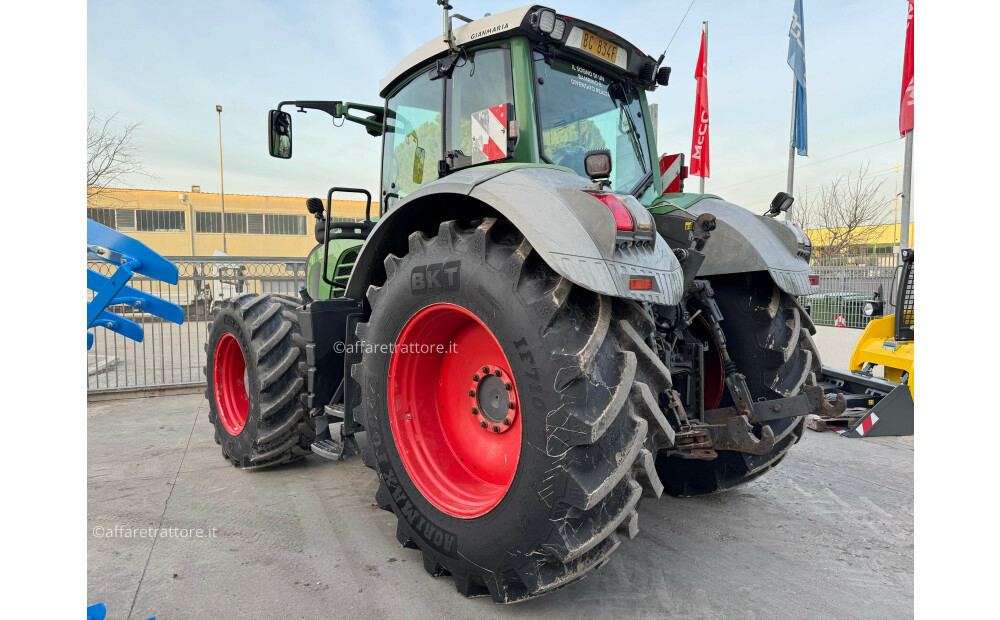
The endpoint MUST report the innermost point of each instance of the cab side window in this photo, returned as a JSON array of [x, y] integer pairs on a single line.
[[478, 83], [413, 131]]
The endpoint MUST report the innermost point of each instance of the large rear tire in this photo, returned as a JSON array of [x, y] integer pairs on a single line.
[[510, 510], [769, 337], [255, 375]]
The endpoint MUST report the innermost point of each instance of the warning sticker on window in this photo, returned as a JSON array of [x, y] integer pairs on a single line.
[[489, 134]]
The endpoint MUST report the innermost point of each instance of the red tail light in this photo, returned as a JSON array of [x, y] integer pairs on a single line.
[[623, 219], [640, 284], [814, 280]]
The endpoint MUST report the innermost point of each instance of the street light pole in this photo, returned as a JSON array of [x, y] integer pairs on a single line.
[[222, 187], [184, 199]]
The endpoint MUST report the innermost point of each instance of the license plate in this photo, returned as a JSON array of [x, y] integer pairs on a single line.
[[597, 46]]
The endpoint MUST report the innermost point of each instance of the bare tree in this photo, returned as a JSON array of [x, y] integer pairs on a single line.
[[112, 155], [849, 211]]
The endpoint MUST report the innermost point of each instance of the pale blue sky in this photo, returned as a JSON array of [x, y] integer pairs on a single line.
[[168, 65]]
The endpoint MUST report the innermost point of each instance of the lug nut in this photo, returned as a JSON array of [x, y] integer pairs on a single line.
[[475, 377], [483, 424], [506, 421], [496, 429], [475, 410], [486, 370], [497, 372], [508, 386], [472, 393], [510, 405]]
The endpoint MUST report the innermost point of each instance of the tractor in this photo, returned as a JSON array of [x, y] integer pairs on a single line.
[[527, 336]]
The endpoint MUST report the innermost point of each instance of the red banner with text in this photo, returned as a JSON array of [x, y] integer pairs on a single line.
[[699, 140], [906, 95]]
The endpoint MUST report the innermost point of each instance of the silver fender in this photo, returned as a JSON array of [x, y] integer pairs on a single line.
[[744, 241]]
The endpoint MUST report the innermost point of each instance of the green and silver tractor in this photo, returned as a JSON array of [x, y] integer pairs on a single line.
[[529, 335]]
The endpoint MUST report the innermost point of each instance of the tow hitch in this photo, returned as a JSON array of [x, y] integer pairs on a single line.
[[732, 428]]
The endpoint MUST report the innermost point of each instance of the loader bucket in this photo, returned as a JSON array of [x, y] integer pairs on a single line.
[[876, 407], [131, 257]]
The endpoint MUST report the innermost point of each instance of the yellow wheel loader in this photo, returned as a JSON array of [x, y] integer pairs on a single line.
[[878, 407]]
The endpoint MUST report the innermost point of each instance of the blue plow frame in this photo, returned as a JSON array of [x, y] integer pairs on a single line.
[[131, 257]]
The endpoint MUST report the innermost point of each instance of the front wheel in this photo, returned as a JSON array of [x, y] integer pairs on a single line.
[[498, 407], [256, 380]]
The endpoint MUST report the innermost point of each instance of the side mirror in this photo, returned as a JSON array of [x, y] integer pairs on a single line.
[[279, 134]]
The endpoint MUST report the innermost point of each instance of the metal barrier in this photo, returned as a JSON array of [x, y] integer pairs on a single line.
[[174, 355], [846, 282]]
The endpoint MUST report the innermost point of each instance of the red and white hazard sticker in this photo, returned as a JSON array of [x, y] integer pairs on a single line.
[[489, 134], [866, 424], [671, 167]]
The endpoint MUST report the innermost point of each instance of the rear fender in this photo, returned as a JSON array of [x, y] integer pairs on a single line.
[[573, 232], [743, 241]]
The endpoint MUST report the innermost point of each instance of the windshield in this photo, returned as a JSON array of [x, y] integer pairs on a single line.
[[580, 109]]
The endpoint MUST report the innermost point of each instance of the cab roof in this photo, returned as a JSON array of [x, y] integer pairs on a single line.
[[519, 22]]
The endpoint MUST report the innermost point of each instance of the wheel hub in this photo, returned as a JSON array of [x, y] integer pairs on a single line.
[[493, 400]]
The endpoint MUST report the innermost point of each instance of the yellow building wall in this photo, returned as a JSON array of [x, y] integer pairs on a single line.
[[886, 234], [205, 244]]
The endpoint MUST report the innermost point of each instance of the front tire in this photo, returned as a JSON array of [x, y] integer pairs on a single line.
[[569, 469], [256, 379]]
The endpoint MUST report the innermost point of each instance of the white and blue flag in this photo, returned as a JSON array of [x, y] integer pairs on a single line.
[[797, 61]]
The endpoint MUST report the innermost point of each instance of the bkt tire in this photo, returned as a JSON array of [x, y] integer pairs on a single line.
[[769, 337], [502, 411], [255, 375]]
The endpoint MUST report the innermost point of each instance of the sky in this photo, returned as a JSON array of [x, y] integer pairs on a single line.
[[167, 65]]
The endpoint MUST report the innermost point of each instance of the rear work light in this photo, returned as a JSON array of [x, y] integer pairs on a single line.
[[623, 219]]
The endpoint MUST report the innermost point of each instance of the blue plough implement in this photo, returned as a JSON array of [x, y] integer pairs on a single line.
[[131, 257]]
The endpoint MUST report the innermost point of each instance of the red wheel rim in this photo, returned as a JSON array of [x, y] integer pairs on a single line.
[[454, 410], [229, 371], [714, 376]]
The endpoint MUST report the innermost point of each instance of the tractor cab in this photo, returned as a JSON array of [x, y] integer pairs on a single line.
[[526, 86]]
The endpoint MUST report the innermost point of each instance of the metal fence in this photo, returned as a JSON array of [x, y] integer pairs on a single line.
[[846, 282], [174, 355]]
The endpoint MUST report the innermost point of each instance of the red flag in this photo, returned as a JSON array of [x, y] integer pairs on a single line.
[[699, 139], [906, 94]]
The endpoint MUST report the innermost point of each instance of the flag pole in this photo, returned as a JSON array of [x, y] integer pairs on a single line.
[[791, 138], [701, 184], [904, 220]]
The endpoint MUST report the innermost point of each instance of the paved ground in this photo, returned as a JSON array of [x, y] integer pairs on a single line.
[[828, 534], [836, 344]]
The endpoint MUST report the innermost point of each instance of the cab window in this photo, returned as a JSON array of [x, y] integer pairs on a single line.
[[479, 82], [579, 109], [413, 132]]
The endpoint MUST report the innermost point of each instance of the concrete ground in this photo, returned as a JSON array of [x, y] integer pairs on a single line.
[[836, 344], [827, 534]]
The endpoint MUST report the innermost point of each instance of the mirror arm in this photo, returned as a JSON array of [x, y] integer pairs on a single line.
[[342, 109]]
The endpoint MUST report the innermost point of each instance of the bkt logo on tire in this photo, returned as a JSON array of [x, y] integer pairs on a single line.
[[436, 277]]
